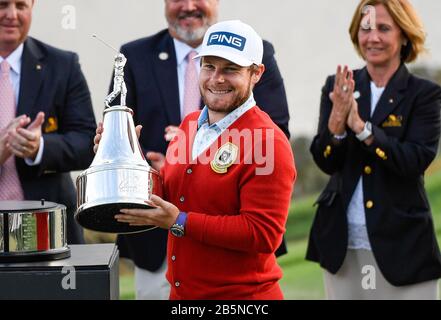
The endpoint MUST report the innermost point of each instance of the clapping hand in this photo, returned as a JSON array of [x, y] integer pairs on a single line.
[[20, 121], [342, 99], [24, 142]]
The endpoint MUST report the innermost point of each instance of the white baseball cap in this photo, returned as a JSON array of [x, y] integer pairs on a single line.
[[235, 41]]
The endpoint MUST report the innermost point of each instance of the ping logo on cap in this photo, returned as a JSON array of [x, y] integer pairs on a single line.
[[227, 39]]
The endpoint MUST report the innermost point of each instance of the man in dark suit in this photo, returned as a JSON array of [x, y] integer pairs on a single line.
[[154, 77], [51, 122]]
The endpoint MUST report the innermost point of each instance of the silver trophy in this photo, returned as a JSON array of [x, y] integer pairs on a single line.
[[32, 231], [119, 176]]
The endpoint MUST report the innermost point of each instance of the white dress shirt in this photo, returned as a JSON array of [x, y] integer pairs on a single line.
[[357, 233]]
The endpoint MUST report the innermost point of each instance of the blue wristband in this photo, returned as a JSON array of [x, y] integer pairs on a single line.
[[181, 219], [178, 228]]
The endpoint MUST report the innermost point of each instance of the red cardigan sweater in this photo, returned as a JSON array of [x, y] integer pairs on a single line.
[[235, 220]]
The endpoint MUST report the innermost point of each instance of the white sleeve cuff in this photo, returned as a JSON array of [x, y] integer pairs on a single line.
[[39, 156]]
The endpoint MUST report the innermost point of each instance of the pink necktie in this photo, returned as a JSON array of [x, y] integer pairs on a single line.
[[10, 186], [192, 96]]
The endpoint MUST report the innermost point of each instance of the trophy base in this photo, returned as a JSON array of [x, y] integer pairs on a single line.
[[20, 257], [101, 218]]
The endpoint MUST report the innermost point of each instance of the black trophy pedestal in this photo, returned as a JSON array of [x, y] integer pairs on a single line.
[[90, 273]]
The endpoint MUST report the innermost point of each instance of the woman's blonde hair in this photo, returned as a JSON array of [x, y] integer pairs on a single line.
[[405, 16]]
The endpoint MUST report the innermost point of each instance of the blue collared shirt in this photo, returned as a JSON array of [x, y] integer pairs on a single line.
[[207, 134]]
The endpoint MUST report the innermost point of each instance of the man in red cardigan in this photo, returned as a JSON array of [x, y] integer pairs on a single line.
[[228, 178]]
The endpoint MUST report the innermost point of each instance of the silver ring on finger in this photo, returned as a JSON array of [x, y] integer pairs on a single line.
[[345, 88]]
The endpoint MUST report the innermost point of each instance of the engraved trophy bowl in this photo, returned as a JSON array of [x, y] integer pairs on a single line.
[[119, 176], [32, 231]]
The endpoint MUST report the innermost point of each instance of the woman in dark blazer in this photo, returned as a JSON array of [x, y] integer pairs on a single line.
[[378, 132]]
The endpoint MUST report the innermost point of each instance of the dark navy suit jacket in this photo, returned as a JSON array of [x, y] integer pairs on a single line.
[[153, 94], [52, 82]]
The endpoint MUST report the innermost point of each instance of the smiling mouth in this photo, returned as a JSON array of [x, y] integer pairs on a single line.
[[219, 92], [374, 49], [191, 15]]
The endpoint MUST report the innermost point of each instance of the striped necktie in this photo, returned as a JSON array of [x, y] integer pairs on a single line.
[[192, 96], [10, 186]]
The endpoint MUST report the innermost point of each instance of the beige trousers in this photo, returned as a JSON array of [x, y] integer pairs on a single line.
[[359, 278], [152, 285]]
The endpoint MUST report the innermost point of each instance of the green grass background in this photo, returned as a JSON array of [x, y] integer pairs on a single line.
[[303, 279]]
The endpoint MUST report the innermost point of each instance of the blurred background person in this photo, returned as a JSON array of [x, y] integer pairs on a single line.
[[378, 132], [46, 118], [162, 85]]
